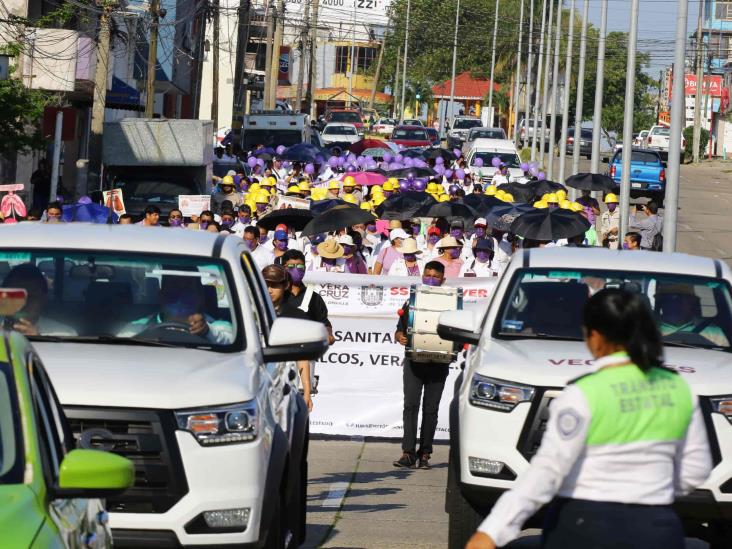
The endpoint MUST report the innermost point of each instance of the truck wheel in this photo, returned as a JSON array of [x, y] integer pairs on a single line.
[[463, 518], [276, 530]]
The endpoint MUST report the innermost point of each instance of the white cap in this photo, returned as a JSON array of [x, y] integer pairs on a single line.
[[397, 233], [480, 222], [345, 240]]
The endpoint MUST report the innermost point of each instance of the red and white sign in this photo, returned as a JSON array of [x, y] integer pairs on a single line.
[[712, 85]]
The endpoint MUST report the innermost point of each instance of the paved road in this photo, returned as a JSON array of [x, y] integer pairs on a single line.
[[357, 499]]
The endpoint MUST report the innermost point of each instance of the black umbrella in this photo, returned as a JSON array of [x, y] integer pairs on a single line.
[[404, 205], [450, 211], [521, 192], [543, 187], [320, 206], [304, 152], [501, 217], [549, 224], [264, 154], [591, 182], [482, 203], [294, 218], [411, 153], [403, 173], [434, 152], [337, 218]]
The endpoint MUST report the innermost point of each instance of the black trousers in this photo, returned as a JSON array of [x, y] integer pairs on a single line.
[[422, 378], [582, 524]]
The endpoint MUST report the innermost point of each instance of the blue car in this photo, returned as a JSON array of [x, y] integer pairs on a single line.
[[647, 173]]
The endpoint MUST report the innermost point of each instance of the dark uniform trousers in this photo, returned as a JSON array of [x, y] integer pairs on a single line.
[[422, 381]]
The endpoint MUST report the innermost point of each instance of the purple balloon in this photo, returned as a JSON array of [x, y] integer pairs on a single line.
[[495, 162], [419, 163], [541, 176], [410, 176], [460, 174], [534, 170], [409, 162], [260, 162], [418, 185], [448, 173], [252, 161], [399, 158], [388, 157], [453, 189], [440, 170], [309, 169], [280, 150], [351, 158], [524, 166], [333, 162], [403, 185], [439, 160], [286, 164], [478, 162], [457, 152]]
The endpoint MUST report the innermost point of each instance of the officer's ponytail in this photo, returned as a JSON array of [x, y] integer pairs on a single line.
[[624, 318]]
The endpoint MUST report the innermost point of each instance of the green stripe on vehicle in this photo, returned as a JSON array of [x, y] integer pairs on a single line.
[[628, 405]]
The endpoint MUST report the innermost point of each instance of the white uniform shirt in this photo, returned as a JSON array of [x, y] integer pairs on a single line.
[[480, 269], [262, 256]]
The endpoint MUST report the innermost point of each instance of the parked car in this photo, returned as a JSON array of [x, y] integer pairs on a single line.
[[607, 143], [486, 149], [50, 489], [483, 133], [460, 129], [411, 136], [647, 173], [528, 345], [640, 139], [434, 136], [384, 126], [658, 139], [412, 122], [339, 133], [526, 130], [164, 348], [348, 116]]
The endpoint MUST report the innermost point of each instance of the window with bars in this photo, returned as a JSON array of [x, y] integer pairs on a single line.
[[723, 10], [364, 57]]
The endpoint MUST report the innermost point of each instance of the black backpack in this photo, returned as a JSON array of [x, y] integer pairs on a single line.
[[657, 244]]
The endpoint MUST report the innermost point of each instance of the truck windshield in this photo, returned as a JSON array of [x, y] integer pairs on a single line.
[[410, 135], [139, 191], [344, 116], [11, 452], [488, 134], [547, 304], [640, 157], [135, 298], [509, 159], [661, 131], [466, 123], [270, 138]]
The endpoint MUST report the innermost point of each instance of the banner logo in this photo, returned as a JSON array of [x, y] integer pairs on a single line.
[[372, 295]]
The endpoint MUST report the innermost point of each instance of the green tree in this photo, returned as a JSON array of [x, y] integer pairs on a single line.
[[20, 110]]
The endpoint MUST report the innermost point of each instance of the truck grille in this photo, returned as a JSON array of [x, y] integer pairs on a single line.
[[536, 422], [147, 438]]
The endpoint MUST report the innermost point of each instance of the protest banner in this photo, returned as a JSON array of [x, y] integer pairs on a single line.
[[360, 375], [193, 204], [113, 199], [282, 202]]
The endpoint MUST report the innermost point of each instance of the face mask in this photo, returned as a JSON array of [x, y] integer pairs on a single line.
[[227, 224], [454, 253], [203, 225], [457, 233], [263, 239], [245, 220], [281, 245], [611, 207], [480, 232], [175, 222], [433, 239], [296, 274], [252, 244], [371, 227], [410, 257], [625, 246], [431, 281], [314, 249], [348, 250], [416, 229], [329, 261], [261, 207], [483, 256], [387, 194]]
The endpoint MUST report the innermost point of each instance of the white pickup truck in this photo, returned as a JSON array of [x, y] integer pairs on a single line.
[[528, 345], [658, 139], [164, 348]]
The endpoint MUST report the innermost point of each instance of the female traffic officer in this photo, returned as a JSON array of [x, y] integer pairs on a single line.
[[620, 443]]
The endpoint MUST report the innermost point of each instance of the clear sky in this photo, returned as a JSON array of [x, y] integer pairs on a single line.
[[656, 25]]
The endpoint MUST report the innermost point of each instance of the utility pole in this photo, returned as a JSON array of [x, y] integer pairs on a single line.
[[454, 60], [100, 98], [493, 63], [354, 60], [529, 44], [275, 70], [377, 75], [555, 83], [699, 85], [303, 57], [658, 100], [628, 118], [537, 96], [313, 71], [677, 125], [395, 95], [565, 100], [599, 83], [579, 106], [404, 72], [152, 58], [545, 92], [270, 16], [517, 102], [215, 91]]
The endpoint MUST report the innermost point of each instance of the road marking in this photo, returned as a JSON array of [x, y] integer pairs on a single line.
[[335, 495]]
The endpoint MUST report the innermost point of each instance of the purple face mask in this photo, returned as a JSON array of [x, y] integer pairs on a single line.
[[611, 207], [371, 227], [203, 225], [433, 239], [226, 224], [263, 239], [245, 220], [261, 207], [479, 232], [296, 274], [410, 257], [348, 250], [314, 249], [454, 252], [457, 233], [625, 246], [175, 222], [252, 244], [281, 245], [416, 229], [431, 281], [483, 256]]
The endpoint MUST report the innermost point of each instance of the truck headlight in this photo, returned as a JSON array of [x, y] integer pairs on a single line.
[[221, 425], [498, 395], [722, 405]]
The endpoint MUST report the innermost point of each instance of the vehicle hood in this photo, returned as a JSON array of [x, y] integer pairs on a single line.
[[20, 518], [549, 363], [147, 377]]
